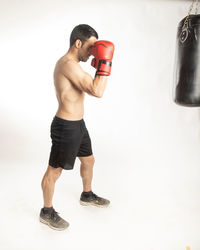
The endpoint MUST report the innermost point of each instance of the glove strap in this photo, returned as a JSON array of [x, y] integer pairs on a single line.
[[104, 68]]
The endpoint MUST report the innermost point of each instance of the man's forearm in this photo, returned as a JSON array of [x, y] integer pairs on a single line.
[[99, 84]]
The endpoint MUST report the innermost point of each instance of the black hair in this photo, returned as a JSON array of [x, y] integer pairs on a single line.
[[82, 32]]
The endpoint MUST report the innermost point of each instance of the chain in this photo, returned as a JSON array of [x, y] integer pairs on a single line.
[[191, 7]]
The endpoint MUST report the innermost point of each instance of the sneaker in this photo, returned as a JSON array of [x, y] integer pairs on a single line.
[[53, 220], [92, 199]]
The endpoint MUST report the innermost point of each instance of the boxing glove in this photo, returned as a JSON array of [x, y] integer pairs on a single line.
[[103, 53]]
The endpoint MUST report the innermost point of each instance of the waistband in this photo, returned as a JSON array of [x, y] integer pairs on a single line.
[[64, 121], [192, 20]]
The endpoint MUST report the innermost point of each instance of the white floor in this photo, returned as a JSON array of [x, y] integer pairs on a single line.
[[143, 213]]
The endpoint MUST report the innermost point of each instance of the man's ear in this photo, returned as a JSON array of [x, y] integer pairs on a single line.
[[78, 44]]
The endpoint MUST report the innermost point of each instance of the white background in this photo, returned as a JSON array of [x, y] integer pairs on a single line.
[[147, 148]]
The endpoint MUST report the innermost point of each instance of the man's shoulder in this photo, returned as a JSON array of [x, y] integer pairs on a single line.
[[66, 62], [65, 65]]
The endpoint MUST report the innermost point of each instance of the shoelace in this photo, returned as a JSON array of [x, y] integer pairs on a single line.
[[95, 196], [55, 216]]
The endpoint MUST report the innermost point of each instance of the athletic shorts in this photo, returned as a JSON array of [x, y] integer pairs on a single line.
[[69, 139]]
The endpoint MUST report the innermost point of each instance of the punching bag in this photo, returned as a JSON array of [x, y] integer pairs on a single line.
[[187, 61]]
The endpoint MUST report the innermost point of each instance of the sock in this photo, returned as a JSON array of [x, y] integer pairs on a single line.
[[47, 209], [87, 194]]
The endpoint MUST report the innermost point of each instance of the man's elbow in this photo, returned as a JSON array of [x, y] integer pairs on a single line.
[[98, 95]]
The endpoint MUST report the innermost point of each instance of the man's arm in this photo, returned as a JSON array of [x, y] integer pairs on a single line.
[[82, 80]]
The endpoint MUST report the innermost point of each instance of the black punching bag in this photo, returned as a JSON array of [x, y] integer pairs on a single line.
[[187, 61]]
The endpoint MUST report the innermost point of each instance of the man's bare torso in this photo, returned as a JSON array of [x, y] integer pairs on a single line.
[[70, 99]]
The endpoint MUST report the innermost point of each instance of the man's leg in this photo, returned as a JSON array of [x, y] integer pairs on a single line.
[[87, 196], [48, 184], [86, 172], [48, 215]]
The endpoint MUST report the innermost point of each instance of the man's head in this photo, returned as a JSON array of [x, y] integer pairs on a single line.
[[82, 39]]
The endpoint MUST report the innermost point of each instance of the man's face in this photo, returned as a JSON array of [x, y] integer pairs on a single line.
[[85, 50]]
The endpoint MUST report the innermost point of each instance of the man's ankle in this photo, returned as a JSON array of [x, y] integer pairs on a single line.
[[87, 191], [47, 209], [87, 194]]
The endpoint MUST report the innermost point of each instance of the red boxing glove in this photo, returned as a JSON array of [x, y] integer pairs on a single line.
[[103, 54]]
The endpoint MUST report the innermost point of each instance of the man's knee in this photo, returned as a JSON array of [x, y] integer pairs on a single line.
[[87, 161], [53, 173]]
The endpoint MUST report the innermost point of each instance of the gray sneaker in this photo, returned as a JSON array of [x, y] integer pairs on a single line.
[[53, 220], [92, 199]]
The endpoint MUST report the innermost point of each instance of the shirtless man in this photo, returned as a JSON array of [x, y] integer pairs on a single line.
[[70, 137]]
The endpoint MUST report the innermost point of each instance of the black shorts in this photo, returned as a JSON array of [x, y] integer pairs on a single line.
[[69, 139]]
